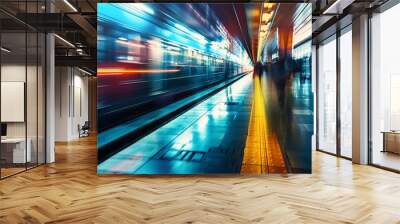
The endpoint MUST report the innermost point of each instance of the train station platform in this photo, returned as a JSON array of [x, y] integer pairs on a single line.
[[183, 104], [208, 138], [226, 133]]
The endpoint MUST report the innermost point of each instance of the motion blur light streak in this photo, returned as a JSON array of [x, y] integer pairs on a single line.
[[133, 42], [105, 71], [130, 44], [204, 88], [142, 6]]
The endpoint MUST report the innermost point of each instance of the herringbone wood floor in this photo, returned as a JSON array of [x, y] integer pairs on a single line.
[[70, 191]]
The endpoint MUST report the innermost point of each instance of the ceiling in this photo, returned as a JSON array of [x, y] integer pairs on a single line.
[[74, 21]]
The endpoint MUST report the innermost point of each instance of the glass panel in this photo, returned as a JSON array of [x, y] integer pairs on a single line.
[[327, 97], [41, 99], [385, 86], [23, 82], [31, 100], [13, 87], [32, 86], [346, 94]]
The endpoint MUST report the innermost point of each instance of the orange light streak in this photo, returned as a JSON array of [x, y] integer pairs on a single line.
[[121, 71], [130, 44]]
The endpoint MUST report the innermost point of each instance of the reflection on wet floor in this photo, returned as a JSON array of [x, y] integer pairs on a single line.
[[262, 153], [209, 138], [227, 133]]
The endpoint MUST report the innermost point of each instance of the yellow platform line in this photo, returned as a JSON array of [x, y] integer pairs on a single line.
[[262, 153]]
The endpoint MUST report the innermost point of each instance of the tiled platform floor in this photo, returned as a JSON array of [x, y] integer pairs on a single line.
[[209, 138]]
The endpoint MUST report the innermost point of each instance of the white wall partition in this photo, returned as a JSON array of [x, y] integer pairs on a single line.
[[71, 102]]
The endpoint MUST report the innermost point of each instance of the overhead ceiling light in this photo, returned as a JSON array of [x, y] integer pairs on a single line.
[[5, 50], [337, 7], [266, 16], [269, 5], [70, 5], [84, 71], [264, 28], [65, 41]]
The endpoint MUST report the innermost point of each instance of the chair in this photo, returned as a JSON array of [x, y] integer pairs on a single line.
[[84, 129]]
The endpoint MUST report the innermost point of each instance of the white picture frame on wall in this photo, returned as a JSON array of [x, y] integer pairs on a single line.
[[12, 101]]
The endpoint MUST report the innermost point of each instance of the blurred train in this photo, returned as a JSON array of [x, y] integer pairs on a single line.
[[145, 53]]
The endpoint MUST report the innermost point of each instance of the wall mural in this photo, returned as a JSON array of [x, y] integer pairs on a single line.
[[204, 88]]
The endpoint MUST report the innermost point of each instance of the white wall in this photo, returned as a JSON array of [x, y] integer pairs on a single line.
[[62, 81], [81, 104], [16, 73], [33, 127], [71, 102]]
